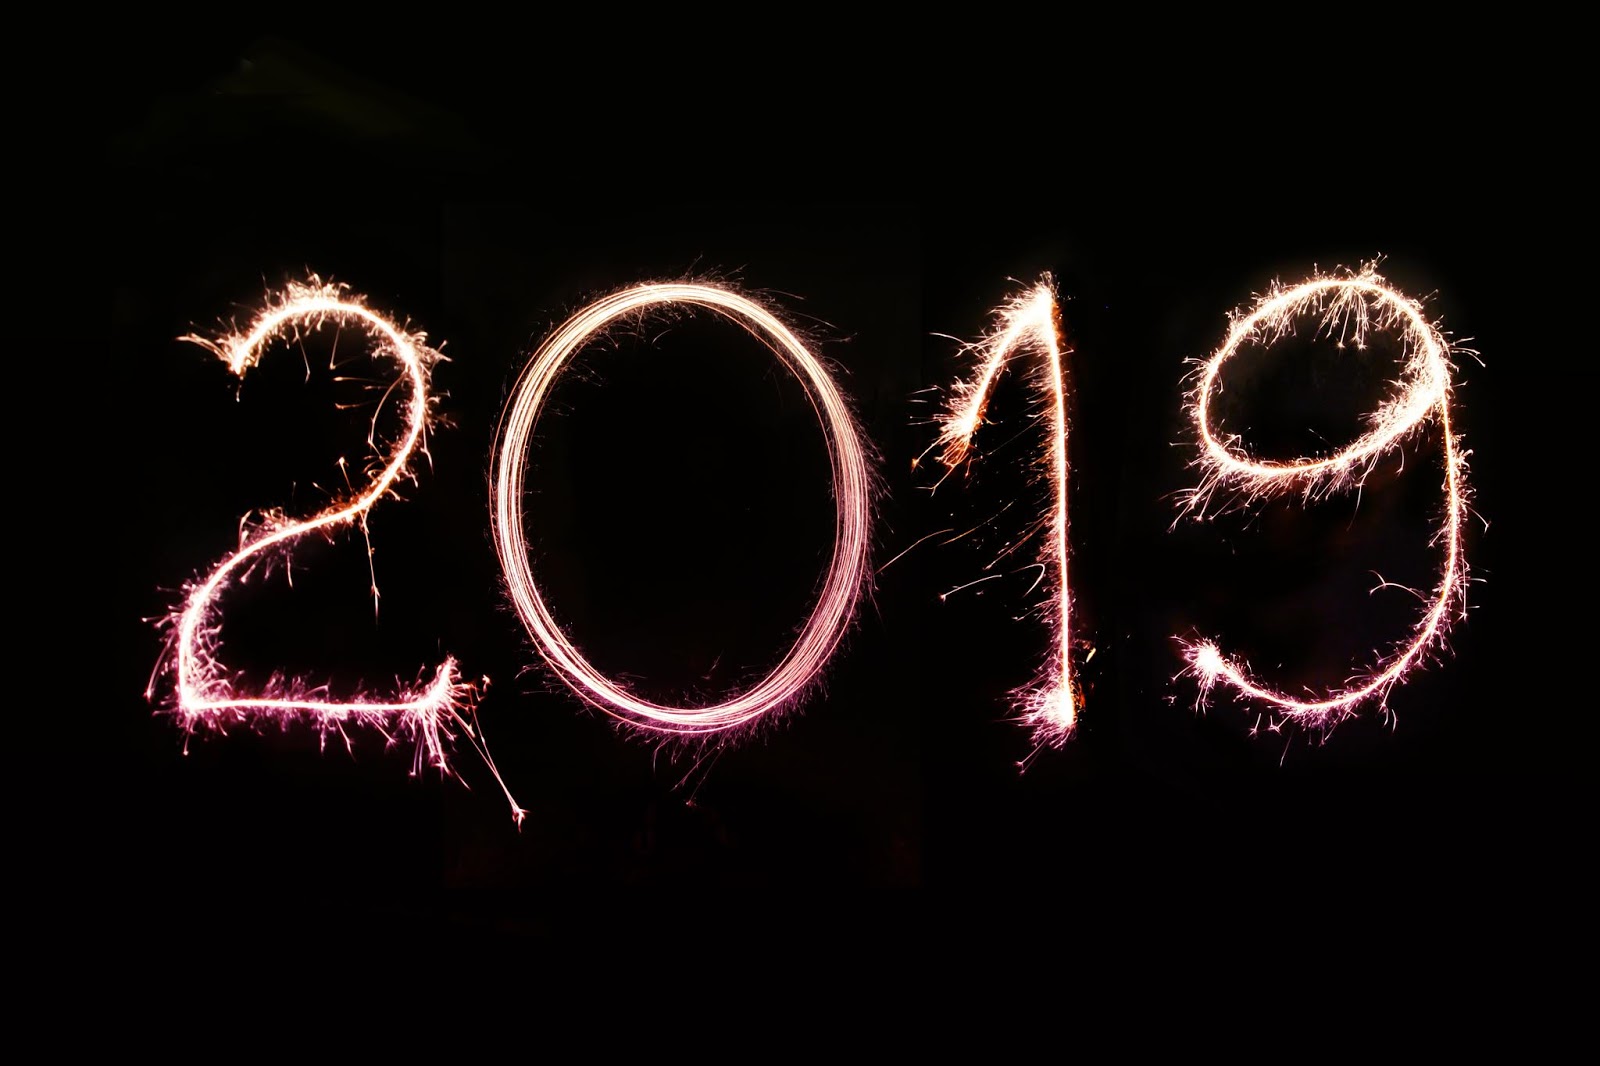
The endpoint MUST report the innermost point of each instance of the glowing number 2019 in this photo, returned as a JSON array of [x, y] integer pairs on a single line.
[[847, 571], [204, 690], [1347, 307], [1051, 704]]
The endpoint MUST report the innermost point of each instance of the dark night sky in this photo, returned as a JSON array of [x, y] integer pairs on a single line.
[[684, 510]]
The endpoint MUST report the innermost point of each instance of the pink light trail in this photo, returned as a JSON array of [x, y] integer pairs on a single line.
[[847, 571], [204, 689], [1348, 307], [1029, 324]]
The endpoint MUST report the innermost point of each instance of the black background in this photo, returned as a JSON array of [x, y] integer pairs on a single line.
[[686, 512]]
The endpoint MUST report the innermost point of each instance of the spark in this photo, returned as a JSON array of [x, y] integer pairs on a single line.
[[204, 691], [847, 572], [1347, 306], [1030, 323], [915, 544], [977, 581]]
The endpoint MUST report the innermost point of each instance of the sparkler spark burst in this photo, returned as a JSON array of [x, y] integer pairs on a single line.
[[1347, 307], [204, 691], [1029, 324], [847, 571]]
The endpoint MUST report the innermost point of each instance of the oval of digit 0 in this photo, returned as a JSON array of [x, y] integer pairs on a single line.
[[204, 691], [846, 577], [1347, 307]]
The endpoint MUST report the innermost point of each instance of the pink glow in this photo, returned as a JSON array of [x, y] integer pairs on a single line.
[[205, 691], [847, 572], [1347, 307], [1029, 324]]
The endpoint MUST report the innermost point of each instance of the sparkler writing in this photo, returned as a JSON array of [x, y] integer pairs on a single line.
[[1029, 323], [205, 691], [1347, 307], [847, 572]]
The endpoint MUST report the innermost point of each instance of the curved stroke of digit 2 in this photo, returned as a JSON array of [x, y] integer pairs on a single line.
[[1029, 323], [1347, 307], [205, 691], [847, 572]]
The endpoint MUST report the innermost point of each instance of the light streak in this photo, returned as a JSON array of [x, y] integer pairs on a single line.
[[1348, 306], [204, 690], [1029, 324], [847, 572]]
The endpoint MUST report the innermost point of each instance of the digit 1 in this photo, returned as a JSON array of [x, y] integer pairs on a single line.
[[1030, 324]]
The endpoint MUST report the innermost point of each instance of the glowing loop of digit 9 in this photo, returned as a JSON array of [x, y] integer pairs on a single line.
[[847, 571], [1051, 704], [204, 690], [1348, 307]]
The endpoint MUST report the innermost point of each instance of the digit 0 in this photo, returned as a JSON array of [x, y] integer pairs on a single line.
[[847, 571]]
